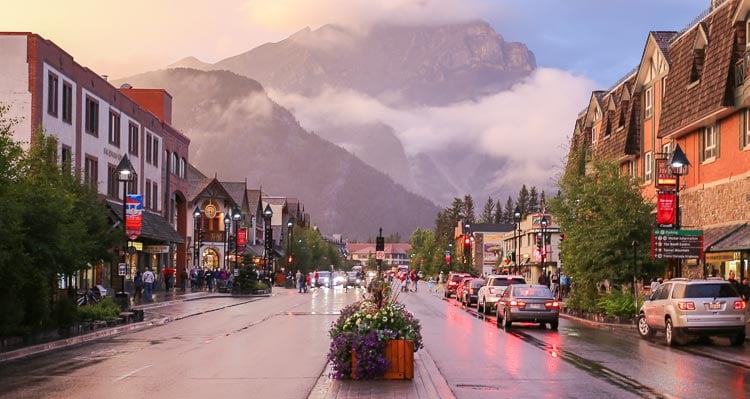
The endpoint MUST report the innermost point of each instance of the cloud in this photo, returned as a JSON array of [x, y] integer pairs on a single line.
[[529, 125]]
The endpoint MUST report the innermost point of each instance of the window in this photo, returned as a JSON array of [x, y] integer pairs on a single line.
[[649, 101], [699, 55], [52, 99], [666, 148], [648, 167], [183, 167], [133, 137], [155, 152], [67, 103], [148, 147], [708, 141], [90, 173], [663, 88], [632, 168], [112, 182], [114, 129], [155, 196], [66, 159], [147, 195], [593, 134], [92, 117], [745, 129], [175, 163]]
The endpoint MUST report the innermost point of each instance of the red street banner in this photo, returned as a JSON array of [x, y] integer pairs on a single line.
[[665, 209], [447, 257], [242, 236], [133, 215]]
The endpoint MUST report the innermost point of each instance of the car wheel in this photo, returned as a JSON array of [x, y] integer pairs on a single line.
[[670, 334], [506, 320], [737, 340], [643, 329], [499, 320], [553, 325], [480, 304]]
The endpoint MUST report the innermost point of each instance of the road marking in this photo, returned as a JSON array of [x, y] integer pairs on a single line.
[[130, 373]]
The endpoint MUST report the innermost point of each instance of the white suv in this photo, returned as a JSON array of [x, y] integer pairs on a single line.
[[682, 307], [489, 294]]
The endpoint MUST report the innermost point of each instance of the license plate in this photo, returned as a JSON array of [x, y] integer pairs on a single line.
[[714, 305], [536, 306]]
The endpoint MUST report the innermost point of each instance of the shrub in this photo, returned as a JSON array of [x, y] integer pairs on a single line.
[[65, 312], [616, 304], [106, 309]]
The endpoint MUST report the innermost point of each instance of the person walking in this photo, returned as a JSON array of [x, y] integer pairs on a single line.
[[148, 284], [745, 289], [298, 279], [138, 287]]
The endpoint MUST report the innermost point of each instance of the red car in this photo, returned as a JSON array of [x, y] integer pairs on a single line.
[[452, 283]]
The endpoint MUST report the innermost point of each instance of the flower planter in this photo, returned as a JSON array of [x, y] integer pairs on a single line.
[[400, 356]]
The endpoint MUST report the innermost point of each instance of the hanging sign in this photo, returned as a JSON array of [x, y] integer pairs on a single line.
[[242, 237], [666, 211], [133, 215]]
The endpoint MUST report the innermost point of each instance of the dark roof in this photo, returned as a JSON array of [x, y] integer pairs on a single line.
[[689, 102], [236, 191], [662, 39], [614, 142], [154, 227], [727, 238]]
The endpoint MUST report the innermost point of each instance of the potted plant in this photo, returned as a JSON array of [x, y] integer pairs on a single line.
[[375, 338]]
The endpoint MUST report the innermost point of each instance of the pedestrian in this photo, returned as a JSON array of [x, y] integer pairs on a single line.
[[307, 282], [734, 282], [316, 276], [654, 284], [414, 279], [298, 279], [745, 289], [148, 284], [431, 283], [209, 275], [137, 287], [543, 279]]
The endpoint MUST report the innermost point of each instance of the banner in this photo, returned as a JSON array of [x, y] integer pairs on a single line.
[[133, 215], [492, 248], [666, 212], [242, 237]]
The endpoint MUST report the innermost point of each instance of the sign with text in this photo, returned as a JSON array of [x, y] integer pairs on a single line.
[[677, 244], [133, 215], [379, 255], [666, 213]]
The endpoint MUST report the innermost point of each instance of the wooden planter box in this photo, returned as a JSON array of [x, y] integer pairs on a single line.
[[400, 356]]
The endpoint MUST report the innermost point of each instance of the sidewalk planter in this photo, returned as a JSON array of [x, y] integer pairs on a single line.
[[399, 353]]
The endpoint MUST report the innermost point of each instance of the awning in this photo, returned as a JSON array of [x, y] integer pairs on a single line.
[[715, 235], [255, 250], [154, 226], [736, 240]]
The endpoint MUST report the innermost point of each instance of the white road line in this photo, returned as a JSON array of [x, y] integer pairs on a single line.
[[130, 373]]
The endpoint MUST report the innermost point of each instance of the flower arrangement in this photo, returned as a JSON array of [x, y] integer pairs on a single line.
[[363, 328]]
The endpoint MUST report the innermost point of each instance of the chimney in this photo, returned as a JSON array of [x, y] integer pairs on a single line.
[[105, 77]]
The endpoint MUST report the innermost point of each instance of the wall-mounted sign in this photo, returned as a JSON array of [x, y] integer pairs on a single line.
[[210, 211], [156, 249]]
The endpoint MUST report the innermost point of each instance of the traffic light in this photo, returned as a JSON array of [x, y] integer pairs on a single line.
[[380, 244], [539, 241], [290, 259]]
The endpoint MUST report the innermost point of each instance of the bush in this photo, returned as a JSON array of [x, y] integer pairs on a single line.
[[616, 304], [106, 309], [65, 312]]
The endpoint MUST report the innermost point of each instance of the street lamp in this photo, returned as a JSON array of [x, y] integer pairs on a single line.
[[125, 173], [544, 243], [290, 257], [267, 215], [236, 216], [678, 164], [516, 238], [227, 225], [197, 236]]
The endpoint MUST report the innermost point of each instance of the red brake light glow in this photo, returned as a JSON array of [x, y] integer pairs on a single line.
[[553, 304], [686, 305], [739, 305], [519, 304]]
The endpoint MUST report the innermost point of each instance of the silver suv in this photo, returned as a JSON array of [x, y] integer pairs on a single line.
[[682, 307], [489, 294]]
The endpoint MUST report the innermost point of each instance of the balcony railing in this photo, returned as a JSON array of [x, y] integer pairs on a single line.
[[740, 69]]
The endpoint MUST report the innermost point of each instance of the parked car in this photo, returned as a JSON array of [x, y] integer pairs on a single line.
[[469, 294], [684, 307], [489, 294], [353, 280], [461, 287], [451, 283], [530, 303]]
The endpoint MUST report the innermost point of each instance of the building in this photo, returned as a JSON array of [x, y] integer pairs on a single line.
[[395, 254], [97, 126], [690, 89]]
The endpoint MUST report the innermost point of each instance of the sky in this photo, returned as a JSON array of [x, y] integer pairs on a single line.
[[580, 46]]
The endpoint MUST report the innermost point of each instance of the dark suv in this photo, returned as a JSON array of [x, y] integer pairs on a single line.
[[682, 307]]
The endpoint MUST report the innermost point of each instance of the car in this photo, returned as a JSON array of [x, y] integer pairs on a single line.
[[528, 303], [461, 287], [693, 307], [451, 283], [469, 293], [489, 294], [353, 279], [324, 279]]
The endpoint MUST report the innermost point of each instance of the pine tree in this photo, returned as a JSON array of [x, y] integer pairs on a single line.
[[533, 200], [498, 217], [510, 210], [488, 212], [469, 212], [523, 201]]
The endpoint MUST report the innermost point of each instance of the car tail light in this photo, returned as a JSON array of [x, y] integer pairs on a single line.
[[471, 291], [492, 291], [686, 305], [519, 304], [553, 304], [739, 305], [452, 283]]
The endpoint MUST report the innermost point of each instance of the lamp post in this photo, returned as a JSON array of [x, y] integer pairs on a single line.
[[635, 278], [290, 256], [544, 243], [227, 225], [267, 215], [236, 216], [517, 228], [678, 164], [198, 236], [125, 173]]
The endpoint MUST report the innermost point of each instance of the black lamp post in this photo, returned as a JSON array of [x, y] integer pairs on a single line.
[[227, 226], [125, 173], [517, 238], [236, 216], [290, 256], [198, 236], [678, 164], [267, 215], [544, 244]]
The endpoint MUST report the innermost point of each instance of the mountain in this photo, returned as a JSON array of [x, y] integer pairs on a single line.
[[238, 132], [404, 69]]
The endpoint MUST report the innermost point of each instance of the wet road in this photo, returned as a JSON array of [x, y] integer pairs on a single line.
[[481, 360], [265, 348]]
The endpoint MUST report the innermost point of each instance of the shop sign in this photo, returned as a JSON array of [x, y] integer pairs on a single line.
[[677, 244], [156, 249], [718, 257]]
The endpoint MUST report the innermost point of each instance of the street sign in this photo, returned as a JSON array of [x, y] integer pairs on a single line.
[[122, 269], [677, 244], [380, 255]]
